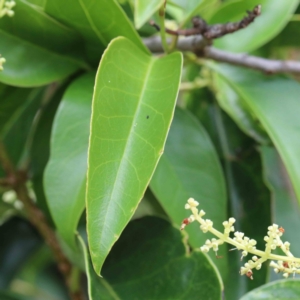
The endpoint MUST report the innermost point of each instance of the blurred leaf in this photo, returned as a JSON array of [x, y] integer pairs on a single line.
[[6, 295], [31, 24], [150, 261], [286, 38], [18, 241], [190, 167], [64, 178], [21, 106], [39, 278], [40, 148], [35, 47], [234, 106], [184, 10], [144, 10], [285, 208], [278, 290], [97, 21], [275, 15], [129, 125], [28, 65], [264, 96]]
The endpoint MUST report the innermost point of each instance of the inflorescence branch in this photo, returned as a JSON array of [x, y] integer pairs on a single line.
[[287, 264]]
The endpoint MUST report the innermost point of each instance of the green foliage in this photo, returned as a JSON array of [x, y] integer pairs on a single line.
[[111, 140]]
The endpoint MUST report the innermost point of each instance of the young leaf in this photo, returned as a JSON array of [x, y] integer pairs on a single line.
[[64, 178], [143, 10], [275, 15], [278, 290], [133, 105], [150, 261], [264, 97], [97, 21], [188, 168]]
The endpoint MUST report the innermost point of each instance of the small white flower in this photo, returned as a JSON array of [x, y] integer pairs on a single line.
[[285, 275], [204, 249]]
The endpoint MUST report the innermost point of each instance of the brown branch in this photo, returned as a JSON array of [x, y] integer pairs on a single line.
[[200, 27], [199, 45], [17, 180], [268, 66]]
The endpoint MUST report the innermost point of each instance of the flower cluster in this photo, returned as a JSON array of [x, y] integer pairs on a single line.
[[2, 61], [6, 8], [287, 264]]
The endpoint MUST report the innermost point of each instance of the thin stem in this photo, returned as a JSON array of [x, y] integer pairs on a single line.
[[161, 18], [17, 181]]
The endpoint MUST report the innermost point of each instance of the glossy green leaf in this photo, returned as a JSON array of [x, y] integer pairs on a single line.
[[30, 23], [285, 208], [28, 65], [151, 261], [133, 105], [35, 47], [97, 21], [264, 96], [278, 290], [275, 15], [188, 168], [230, 101], [143, 10], [64, 178]]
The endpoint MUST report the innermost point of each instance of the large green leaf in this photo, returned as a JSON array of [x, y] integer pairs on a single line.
[[143, 10], [287, 289], [64, 178], [275, 15], [151, 261], [97, 21], [133, 105], [6, 295], [274, 102], [30, 23], [285, 208], [189, 167], [29, 65], [35, 47]]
